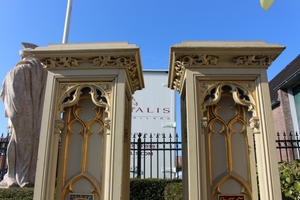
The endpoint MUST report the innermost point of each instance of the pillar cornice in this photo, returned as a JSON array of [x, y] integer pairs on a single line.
[[86, 56], [208, 54]]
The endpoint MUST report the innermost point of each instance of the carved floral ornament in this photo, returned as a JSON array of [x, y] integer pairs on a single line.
[[63, 62], [188, 60], [247, 89], [253, 60], [120, 61], [203, 59], [99, 61], [197, 60], [70, 95]]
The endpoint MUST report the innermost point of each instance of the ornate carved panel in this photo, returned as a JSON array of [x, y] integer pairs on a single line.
[[83, 146], [228, 146], [70, 93], [103, 61], [242, 93], [253, 60], [189, 60], [61, 62]]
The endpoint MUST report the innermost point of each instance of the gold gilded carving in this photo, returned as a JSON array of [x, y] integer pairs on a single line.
[[182, 62], [204, 124], [105, 61], [198, 60], [253, 60], [179, 71], [255, 124], [59, 125], [120, 61], [61, 62], [100, 95], [242, 93]]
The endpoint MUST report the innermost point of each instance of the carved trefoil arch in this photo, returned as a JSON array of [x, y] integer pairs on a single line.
[[243, 94], [70, 93], [228, 110]]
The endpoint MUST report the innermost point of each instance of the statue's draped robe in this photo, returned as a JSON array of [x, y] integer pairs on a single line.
[[23, 96]]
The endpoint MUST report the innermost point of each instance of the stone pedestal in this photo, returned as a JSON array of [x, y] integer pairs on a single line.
[[85, 137], [225, 108]]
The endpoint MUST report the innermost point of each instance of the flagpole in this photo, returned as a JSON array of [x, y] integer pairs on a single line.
[[67, 22]]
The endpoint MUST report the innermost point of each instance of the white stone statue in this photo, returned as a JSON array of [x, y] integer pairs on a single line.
[[22, 93]]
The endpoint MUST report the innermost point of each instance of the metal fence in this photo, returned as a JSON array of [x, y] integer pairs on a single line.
[[168, 149], [288, 146], [3, 148], [155, 156]]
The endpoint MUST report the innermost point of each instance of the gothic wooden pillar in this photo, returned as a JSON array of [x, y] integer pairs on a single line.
[[87, 114], [225, 108]]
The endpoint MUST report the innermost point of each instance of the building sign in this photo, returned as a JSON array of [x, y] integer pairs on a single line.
[[81, 196], [232, 197], [153, 116]]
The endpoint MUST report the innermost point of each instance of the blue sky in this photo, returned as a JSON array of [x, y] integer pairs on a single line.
[[153, 25]]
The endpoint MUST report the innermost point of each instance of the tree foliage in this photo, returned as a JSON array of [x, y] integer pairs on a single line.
[[290, 179]]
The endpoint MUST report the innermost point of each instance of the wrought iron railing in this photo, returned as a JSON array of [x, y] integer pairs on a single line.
[[155, 155], [288, 146], [3, 148]]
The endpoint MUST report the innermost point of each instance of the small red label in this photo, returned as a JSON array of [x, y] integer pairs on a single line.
[[231, 197]]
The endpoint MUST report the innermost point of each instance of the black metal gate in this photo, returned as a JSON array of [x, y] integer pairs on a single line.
[[167, 151]]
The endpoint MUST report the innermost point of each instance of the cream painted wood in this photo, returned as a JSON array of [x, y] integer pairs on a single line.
[[45, 173], [117, 64], [117, 141], [266, 156], [234, 63], [193, 134], [185, 182]]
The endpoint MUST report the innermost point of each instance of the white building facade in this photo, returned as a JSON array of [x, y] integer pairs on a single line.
[[153, 117]]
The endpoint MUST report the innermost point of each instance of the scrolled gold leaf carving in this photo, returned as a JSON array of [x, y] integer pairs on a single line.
[[247, 89], [70, 94], [120, 61], [59, 124], [179, 71], [253, 60], [61, 62], [104, 61], [199, 60], [188, 60]]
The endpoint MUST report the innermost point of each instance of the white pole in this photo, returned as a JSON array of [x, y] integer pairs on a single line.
[[67, 22]]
